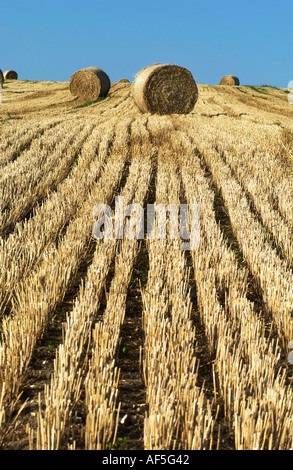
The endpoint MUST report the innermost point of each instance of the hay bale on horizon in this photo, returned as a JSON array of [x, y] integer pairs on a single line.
[[89, 83], [10, 75], [231, 80], [164, 89], [1, 78], [123, 80]]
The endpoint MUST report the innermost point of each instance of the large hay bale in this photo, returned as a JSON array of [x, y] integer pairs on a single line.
[[1, 78], [10, 75], [89, 83], [230, 80], [164, 89]]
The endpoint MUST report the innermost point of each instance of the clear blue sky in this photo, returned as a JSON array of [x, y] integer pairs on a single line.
[[50, 40]]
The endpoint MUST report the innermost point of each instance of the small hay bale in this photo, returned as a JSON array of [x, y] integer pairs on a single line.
[[230, 80], [123, 80], [10, 75], [1, 78], [89, 83], [164, 89]]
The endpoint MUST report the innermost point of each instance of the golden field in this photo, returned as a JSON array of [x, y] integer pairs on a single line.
[[138, 344]]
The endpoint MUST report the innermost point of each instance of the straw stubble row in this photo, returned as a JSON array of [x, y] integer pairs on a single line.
[[24, 246], [273, 274], [179, 415], [101, 381], [260, 172], [14, 140], [40, 292], [38, 171], [252, 383]]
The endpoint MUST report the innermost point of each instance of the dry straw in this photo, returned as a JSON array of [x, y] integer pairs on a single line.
[[1, 77], [89, 83], [10, 75], [165, 89], [230, 80]]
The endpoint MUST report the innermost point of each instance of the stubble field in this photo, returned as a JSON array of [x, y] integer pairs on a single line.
[[138, 344]]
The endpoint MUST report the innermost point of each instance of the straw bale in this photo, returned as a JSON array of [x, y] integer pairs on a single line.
[[165, 89], [10, 75], [89, 83], [230, 80], [1, 78]]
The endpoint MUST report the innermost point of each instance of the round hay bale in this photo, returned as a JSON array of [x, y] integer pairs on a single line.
[[164, 89], [1, 78], [10, 75], [230, 80], [123, 80], [89, 83]]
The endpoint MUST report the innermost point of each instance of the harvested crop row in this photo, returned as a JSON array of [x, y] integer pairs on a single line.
[[29, 183], [246, 362], [271, 218], [265, 153], [39, 149], [28, 241], [46, 287], [120, 106], [65, 382], [179, 416], [126, 108], [16, 140], [64, 389], [273, 275], [102, 383], [257, 177]]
